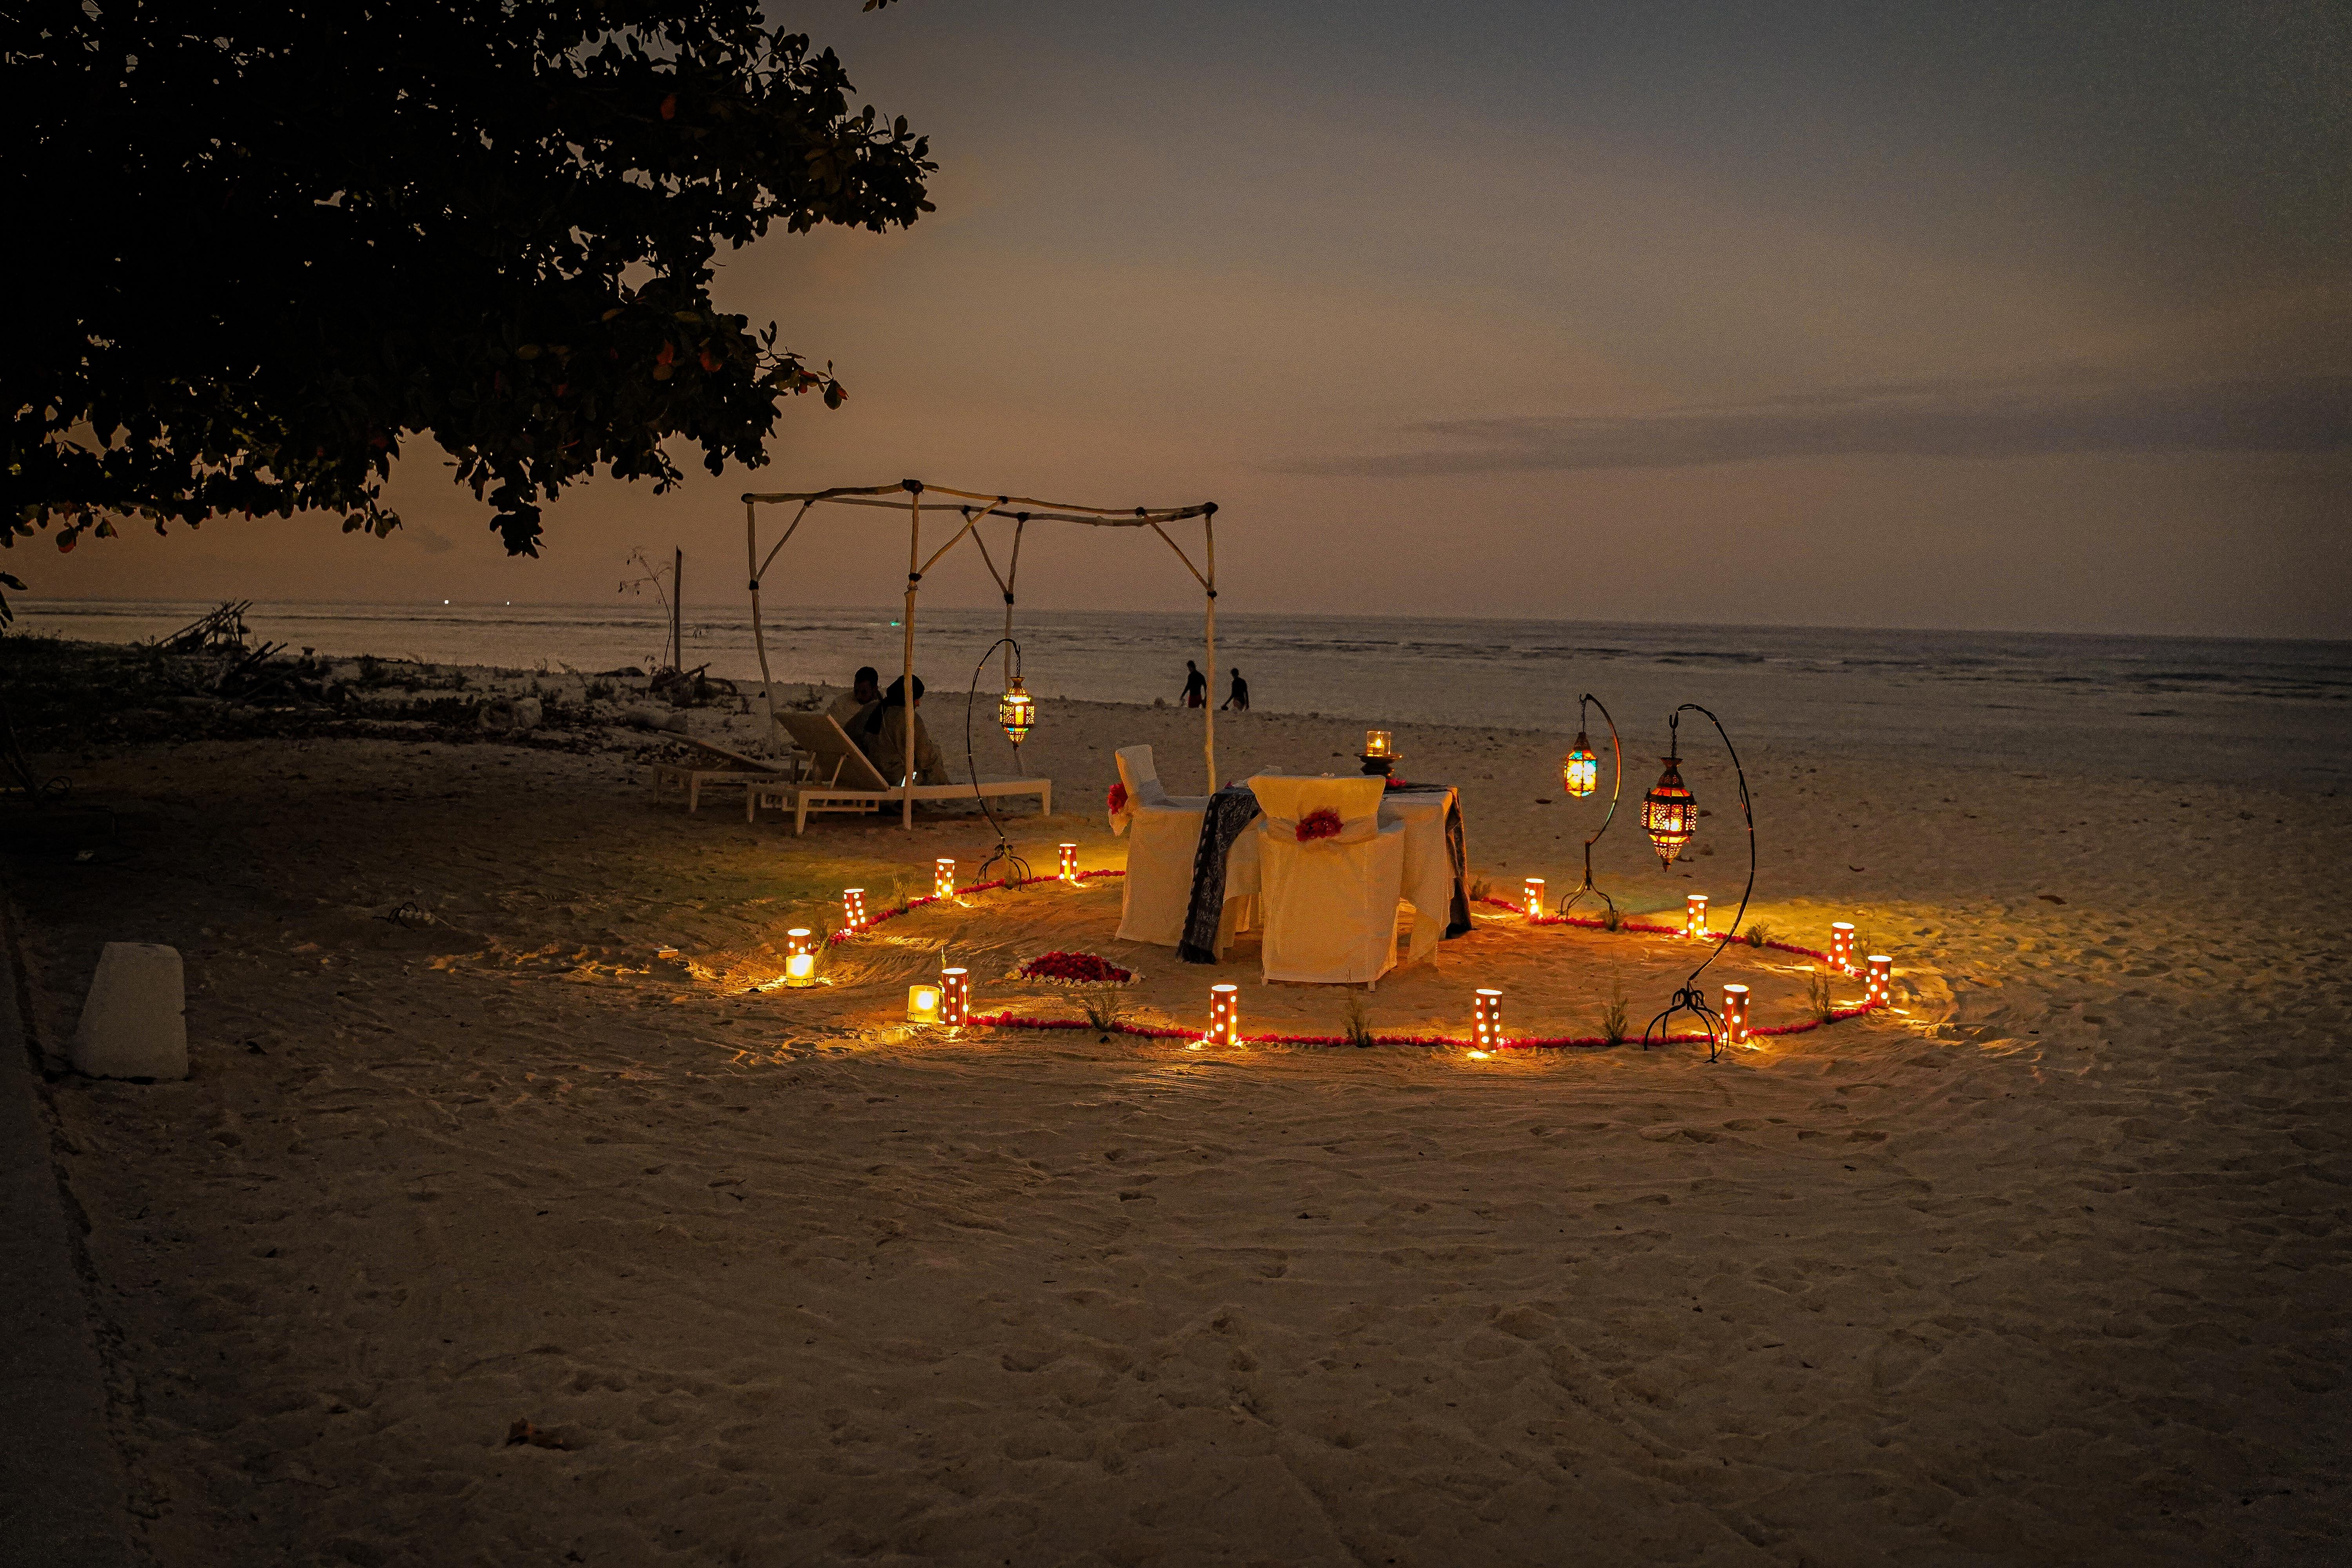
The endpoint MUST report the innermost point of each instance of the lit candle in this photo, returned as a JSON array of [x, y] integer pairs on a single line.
[[1881, 982], [922, 1003], [1069, 862], [1376, 744], [800, 956], [943, 878], [1695, 915], [1532, 896], [1487, 1025], [853, 909], [955, 1003], [1842, 946], [1734, 1015], [1224, 1015]]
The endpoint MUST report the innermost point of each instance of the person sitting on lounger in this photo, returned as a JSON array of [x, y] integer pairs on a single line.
[[883, 738], [849, 709]]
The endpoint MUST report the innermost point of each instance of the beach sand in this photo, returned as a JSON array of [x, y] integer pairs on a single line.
[[2046, 1266]]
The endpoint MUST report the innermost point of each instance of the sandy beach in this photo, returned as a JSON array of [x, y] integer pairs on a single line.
[[2045, 1266]]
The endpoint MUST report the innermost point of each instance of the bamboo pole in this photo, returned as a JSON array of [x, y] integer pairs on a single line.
[[1209, 705], [914, 577], [760, 637], [677, 608]]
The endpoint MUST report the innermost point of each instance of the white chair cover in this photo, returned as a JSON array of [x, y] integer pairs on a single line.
[[1329, 904], [1162, 833]]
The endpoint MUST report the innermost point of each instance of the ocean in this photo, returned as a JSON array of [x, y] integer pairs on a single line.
[[2240, 711]]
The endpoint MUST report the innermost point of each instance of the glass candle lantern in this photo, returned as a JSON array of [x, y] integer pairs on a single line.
[[1842, 946], [1735, 1015], [853, 909], [922, 1003], [1695, 916], [1531, 897], [955, 996], [1881, 993], [1069, 863], [1669, 813], [1378, 744], [800, 956], [1016, 711], [943, 878], [1580, 771], [1224, 1015], [1486, 1020]]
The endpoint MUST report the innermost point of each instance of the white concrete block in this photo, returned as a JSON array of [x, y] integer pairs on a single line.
[[134, 1022]]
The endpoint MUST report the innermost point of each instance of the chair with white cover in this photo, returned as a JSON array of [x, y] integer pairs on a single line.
[[1330, 899], [1162, 833]]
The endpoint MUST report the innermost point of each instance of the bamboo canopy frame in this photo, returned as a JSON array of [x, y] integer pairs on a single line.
[[1021, 511]]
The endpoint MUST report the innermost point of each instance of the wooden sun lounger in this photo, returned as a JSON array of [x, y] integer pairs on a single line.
[[841, 778], [716, 765]]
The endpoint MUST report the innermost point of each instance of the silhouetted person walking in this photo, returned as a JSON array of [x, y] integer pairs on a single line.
[[1238, 698], [1196, 686]]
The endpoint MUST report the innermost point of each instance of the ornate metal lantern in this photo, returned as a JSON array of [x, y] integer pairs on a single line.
[[1669, 812], [1580, 771], [1016, 711]]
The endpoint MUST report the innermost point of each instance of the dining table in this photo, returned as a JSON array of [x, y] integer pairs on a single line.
[[1225, 867]]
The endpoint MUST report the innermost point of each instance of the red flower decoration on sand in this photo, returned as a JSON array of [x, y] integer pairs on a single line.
[[1117, 799], [1321, 823], [1081, 968]]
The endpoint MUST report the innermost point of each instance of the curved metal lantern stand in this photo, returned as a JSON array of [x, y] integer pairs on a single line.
[[1016, 871], [1616, 787], [1690, 998]]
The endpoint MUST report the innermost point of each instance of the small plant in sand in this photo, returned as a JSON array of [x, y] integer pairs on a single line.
[[1757, 933], [1613, 1016], [1357, 1029], [1481, 887], [1817, 995], [1107, 1010], [1609, 918]]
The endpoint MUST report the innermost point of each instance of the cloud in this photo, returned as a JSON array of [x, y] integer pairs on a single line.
[[2066, 413], [427, 538]]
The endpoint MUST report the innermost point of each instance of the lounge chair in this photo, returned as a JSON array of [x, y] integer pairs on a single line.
[[716, 764], [839, 777]]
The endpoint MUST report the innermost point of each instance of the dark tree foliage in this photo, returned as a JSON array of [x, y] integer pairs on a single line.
[[265, 247]]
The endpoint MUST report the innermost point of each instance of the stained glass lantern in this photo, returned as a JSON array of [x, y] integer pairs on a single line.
[[943, 878], [1069, 872], [1487, 1026], [853, 909], [1224, 1015], [1735, 1015], [1531, 898], [1695, 916], [1881, 982], [800, 956], [955, 996], [1842, 946], [1669, 813], [1580, 771], [922, 1003], [1016, 711]]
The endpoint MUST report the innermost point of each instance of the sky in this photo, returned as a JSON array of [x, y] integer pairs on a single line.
[[1987, 316]]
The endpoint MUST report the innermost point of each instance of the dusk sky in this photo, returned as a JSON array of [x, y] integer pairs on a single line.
[[1975, 316]]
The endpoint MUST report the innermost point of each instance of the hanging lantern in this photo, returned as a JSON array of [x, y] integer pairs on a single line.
[[1580, 771], [1531, 897], [1069, 862], [1881, 982], [800, 956], [1016, 711], [1695, 916], [922, 1003], [1669, 813], [1486, 1022], [955, 998], [1224, 1015], [1842, 946], [1735, 1015], [853, 909], [943, 878]]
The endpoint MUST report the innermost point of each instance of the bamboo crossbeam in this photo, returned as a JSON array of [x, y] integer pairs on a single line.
[[1098, 516]]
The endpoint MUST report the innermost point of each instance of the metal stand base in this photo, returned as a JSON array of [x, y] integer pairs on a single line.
[[1688, 1000]]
